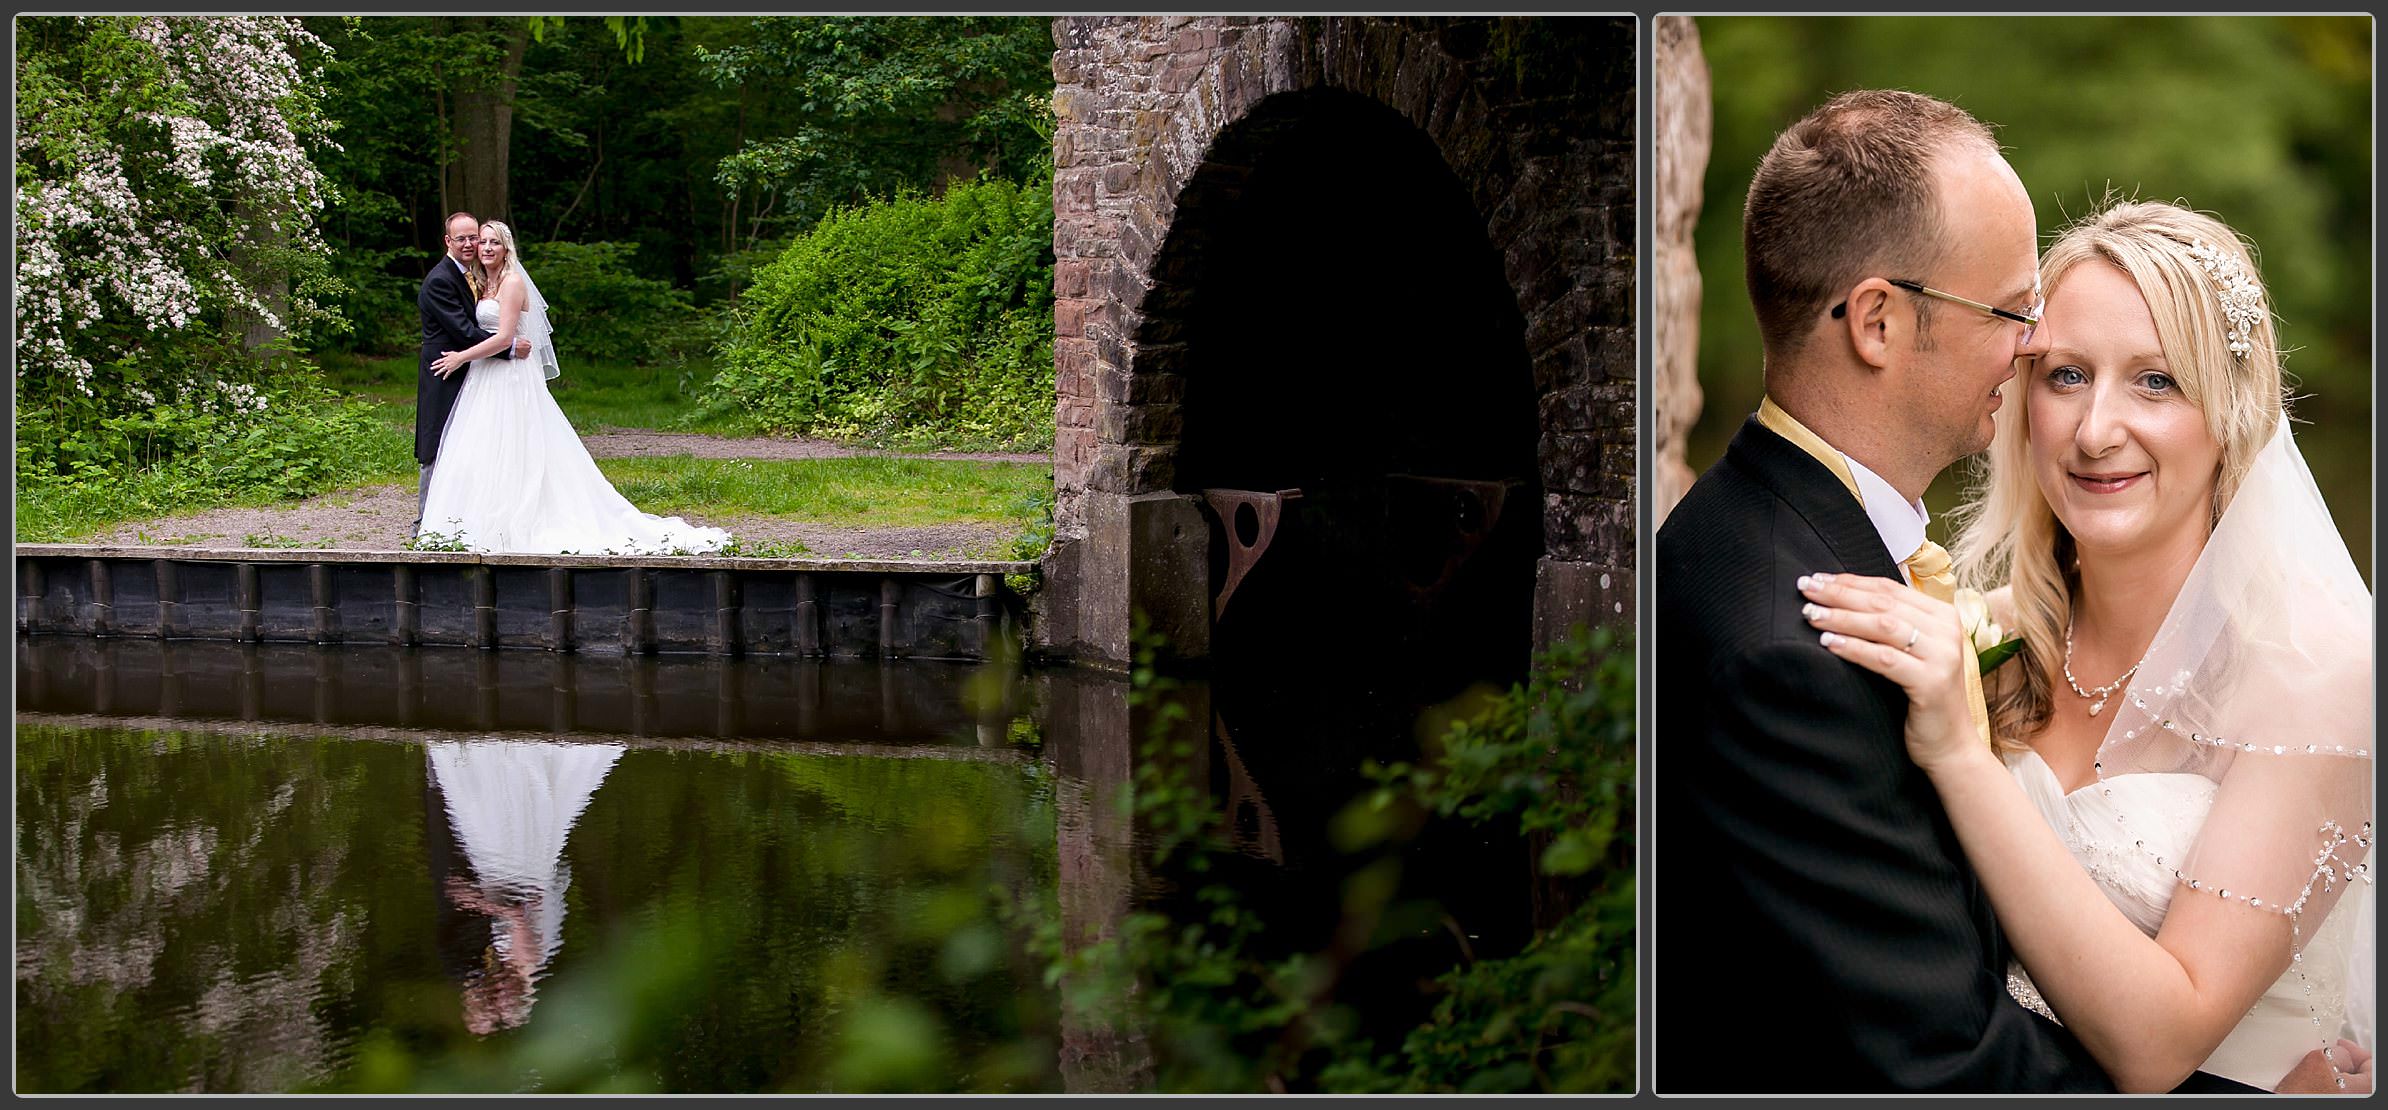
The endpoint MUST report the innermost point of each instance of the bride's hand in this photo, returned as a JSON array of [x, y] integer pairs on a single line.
[[1896, 631], [446, 363]]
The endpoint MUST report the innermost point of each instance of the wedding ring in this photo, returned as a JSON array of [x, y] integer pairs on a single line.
[[1912, 633]]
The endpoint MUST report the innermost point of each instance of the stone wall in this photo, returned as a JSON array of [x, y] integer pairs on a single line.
[[1534, 116]]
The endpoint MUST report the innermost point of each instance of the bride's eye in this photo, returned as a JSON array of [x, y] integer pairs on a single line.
[[2066, 377], [2157, 381]]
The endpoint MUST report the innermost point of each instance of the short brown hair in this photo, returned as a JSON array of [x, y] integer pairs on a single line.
[[451, 220], [1845, 190]]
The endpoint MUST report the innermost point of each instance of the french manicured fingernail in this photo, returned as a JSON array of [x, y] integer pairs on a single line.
[[1805, 581], [1828, 639], [1811, 610]]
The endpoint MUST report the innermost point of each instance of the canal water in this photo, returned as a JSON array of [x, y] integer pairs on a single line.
[[261, 867]]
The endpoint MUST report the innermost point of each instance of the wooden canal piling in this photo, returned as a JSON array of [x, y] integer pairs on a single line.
[[567, 604]]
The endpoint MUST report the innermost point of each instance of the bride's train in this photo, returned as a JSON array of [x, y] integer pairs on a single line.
[[513, 476]]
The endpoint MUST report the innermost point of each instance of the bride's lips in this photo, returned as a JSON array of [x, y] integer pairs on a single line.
[[2106, 483]]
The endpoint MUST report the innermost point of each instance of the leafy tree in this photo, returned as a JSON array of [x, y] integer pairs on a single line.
[[882, 104], [166, 199]]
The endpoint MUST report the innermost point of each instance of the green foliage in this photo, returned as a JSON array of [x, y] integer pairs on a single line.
[[601, 308], [905, 321], [165, 193], [1033, 541], [1557, 757], [880, 105], [78, 472], [695, 137], [432, 539], [744, 548], [2264, 121], [1553, 758]]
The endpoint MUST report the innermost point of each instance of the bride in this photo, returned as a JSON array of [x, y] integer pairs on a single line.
[[2190, 713], [512, 804], [513, 476]]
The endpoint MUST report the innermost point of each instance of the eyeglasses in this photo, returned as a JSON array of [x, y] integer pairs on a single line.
[[2029, 318]]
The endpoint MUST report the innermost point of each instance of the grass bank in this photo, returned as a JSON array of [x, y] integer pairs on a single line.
[[850, 492], [595, 396], [361, 432]]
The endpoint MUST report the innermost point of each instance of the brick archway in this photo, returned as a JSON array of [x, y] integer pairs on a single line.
[[1159, 120]]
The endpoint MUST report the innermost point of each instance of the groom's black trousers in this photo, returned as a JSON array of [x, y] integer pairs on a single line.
[[1818, 928]]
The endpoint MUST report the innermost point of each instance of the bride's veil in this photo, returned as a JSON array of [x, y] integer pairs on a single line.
[[2260, 679], [533, 324]]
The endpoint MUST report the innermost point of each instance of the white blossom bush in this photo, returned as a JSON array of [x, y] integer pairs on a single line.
[[167, 202], [163, 181]]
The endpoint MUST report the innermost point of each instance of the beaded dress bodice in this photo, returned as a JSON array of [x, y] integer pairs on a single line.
[[2128, 860]]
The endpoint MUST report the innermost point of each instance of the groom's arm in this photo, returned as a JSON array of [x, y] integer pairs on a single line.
[[448, 304], [1815, 801]]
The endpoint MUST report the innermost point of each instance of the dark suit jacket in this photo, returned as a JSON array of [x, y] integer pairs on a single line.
[[445, 304], [1818, 926]]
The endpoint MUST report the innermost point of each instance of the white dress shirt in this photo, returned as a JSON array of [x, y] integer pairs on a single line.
[[1898, 521]]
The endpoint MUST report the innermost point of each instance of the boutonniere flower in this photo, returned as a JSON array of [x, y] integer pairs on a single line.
[[1991, 645]]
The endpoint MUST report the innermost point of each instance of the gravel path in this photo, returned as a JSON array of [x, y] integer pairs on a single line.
[[616, 445], [375, 518]]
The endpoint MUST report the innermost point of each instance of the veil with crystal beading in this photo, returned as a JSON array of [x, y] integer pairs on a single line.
[[533, 324], [2260, 680]]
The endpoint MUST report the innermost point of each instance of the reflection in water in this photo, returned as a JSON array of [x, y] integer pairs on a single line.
[[798, 880], [1249, 820], [510, 805]]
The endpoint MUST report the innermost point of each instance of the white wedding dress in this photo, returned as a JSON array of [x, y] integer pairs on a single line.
[[512, 804], [2166, 813], [513, 476], [2238, 766]]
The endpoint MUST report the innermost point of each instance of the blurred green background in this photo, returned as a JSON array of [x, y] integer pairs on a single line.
[[2263, 121]]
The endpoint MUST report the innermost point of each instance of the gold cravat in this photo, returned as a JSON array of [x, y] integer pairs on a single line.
[[1787, 426], [1935, 576], [1929, 568]]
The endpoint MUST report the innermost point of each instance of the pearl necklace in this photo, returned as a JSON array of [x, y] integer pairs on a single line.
[[2096, 698]]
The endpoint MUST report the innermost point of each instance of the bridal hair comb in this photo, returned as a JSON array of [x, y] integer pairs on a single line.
[[2242, 299]]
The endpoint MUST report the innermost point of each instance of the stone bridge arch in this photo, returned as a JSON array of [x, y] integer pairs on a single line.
[[1290, 250]]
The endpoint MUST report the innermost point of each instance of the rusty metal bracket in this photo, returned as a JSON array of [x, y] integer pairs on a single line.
[[1263, 839], [1476, 508], [1244, 550]]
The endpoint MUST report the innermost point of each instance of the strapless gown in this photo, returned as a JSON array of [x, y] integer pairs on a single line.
[[2167, 811], [513, 476]]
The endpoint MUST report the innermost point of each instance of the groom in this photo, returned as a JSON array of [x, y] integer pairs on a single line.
[[445, 304], [1819, 927]]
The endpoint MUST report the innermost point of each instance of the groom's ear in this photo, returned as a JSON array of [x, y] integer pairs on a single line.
[[1871, 319]]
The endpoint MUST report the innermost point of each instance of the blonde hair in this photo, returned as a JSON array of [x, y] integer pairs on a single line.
[[2008, 535], [505, 238]]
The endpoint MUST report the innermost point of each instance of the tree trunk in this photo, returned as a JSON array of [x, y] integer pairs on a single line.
[[483, 124], [585, 182], [270, 283], [1682, 117], [446, 143]]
